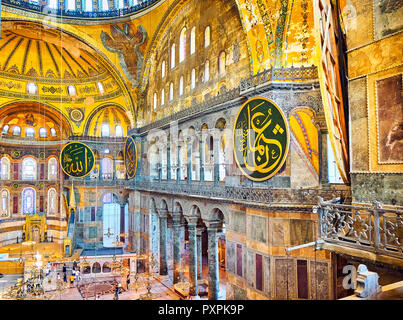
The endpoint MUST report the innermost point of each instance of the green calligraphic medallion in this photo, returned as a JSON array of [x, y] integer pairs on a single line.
[[130, 157], [261, 139], [77, 159]]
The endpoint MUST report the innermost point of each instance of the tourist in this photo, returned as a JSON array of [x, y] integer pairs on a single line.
[[71, 281]]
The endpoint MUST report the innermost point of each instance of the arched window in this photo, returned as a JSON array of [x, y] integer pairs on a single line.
[[221, 63], [173, 56], [100, 88], [193, 79], [104, 5], [32, 88], [163, 69], [162, 97], [121, 4], [181, 86], [29, 169], [118, 130], [5, 129], [71, 91], [52, 202], [105, 130], [333, 171], [107, 168], [106, 268], [155, 100], [207, 71], [5, 168], [71, 5], [88, 5], [16, 131], [52, 169], [171, 91], [53, 132], [182, 45], [207, 36], [30, 132], [52, 4], [96, 268], [193, 40], [28, 201], [43, 133], [5, 203]]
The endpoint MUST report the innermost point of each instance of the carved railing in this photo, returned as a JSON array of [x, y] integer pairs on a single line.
[[97, 182], [280, 74], [21, 4], [266, 195], [374, 228]]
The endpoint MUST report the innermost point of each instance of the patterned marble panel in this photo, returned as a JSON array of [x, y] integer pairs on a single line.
[[230, 257], [301, 231], [266, 274], [285, 279], [257, 228], [239, 293], [251, 271], [319, 280], [238, 221], [277, 232], [387, 17]]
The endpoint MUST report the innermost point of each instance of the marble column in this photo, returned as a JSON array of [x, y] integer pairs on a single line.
[[189, 151], [192, 224], [213, 275], [199, 253], [216, 151], [201, 159], [163, 244], [177, 248], [179, 163], [169, 163]]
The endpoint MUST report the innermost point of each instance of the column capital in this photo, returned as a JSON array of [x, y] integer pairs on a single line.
[[176, 221], [192, 220], [163, 213], [199, 231], [212, 225]]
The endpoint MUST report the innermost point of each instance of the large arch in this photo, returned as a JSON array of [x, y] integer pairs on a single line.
[[16, 109]]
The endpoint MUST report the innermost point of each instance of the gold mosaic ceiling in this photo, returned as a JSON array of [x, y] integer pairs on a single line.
[[33, 51]]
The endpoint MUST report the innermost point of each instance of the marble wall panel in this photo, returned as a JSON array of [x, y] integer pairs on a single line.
[[301, 231], [319, 276], [285, 279]]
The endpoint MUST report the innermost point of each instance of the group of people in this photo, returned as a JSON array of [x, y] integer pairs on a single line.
[[74, 278]]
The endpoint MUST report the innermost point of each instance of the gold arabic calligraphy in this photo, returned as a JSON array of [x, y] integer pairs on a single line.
[[260, 132], [76, 160]]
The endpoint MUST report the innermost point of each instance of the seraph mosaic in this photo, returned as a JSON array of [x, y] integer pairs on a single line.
[[126, 43]]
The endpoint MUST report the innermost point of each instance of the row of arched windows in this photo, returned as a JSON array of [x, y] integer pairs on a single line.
[[182, 57], [29, 169], [206, 78], [182, 48], [87, 5], [106, 130], [29, 131], [32, 88], [28, 202]]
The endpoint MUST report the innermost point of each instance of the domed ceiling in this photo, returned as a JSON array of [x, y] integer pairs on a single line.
[[31, 51], [48, 66]]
